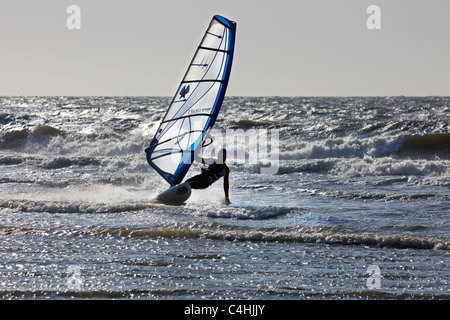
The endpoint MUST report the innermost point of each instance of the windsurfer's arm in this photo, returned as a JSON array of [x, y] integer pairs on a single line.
[[206, 162], [226, 186]]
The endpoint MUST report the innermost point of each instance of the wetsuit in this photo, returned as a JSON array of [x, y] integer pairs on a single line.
[[210, 175]]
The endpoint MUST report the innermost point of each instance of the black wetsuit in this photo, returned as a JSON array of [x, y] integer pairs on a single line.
[[210, 175]]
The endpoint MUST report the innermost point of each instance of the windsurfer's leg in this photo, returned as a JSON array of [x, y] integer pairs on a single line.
[[199, 182]]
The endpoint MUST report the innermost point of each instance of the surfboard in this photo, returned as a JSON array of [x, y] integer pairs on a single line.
[[195, 105], [175, 195]]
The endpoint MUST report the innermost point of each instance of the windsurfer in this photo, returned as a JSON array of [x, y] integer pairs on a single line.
[[212, 173]]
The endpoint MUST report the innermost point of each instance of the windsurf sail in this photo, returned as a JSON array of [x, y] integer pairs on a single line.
[[196, 104]]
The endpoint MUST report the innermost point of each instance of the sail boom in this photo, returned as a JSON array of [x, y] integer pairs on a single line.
[[176, 137], [169, 153]]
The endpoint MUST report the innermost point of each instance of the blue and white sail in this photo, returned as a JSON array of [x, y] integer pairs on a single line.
[[196, 104]]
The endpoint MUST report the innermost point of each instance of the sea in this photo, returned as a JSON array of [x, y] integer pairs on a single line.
[[352, 204]]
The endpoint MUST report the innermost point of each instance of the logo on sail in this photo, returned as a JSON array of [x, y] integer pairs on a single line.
[[184, 91]]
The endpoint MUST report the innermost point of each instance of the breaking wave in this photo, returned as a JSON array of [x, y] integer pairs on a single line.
[[73, 207], [295, 235], [18, 138], [214, 231], [427, 146], [425, 172]]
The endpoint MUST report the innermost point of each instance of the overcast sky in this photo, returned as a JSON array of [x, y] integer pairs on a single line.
[[283, 47]]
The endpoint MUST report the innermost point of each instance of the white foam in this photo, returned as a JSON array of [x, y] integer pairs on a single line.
[[346, 147]]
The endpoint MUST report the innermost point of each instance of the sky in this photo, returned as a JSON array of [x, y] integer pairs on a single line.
[[283, 47]]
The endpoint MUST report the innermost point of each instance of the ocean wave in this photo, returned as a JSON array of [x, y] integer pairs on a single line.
[[10, 160], [240, 213], [214, 231], [426, 172], [13, 139], [428, 143], [51, 148], [375, 167], [42, 135], [73, 207], [426, 146], [248, 123], [294, 235], [62, 162], [19, 137], [364, 195]]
